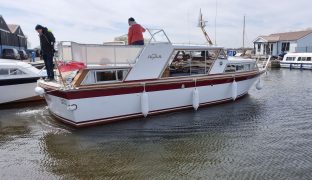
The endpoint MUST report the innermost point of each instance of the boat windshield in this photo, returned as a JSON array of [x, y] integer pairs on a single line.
[[95, 54]]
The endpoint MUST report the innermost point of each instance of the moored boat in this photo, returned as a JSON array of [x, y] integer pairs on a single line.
[[17, 81], [297, 61], [122, 82]]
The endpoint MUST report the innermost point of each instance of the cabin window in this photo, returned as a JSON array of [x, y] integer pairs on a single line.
[[299, 59], [290, 58], [304, 59], [230, 68], [239, 67], [16, 72], [188, 63], [4, 72], [308, 58], [105, 76], [285, 46]]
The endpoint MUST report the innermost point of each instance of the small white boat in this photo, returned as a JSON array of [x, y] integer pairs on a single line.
[[297, 61], [17, 81], [122, 82]]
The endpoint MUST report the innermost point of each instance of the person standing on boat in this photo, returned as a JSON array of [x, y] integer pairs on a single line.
[[135, 34], [47, 41]]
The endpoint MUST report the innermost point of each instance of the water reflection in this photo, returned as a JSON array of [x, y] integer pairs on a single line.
[[264, 135], [173, 145]]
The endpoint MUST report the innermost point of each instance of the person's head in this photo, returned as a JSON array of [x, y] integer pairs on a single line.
[[39, 29], [131, 21]]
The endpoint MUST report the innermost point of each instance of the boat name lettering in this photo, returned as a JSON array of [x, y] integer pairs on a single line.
[[154, 56], [64, 102]]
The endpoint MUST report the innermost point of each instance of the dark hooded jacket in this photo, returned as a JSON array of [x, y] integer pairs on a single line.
[[47, 41]]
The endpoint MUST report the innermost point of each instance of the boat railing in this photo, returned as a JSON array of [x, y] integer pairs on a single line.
[[98, 54], [263, 65], [157, 36]]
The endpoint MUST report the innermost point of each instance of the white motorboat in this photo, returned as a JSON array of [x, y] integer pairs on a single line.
[[121, 82], [297, 61], [17, 81]]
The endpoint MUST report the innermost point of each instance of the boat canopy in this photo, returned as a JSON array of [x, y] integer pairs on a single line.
[[91, 54], [107, 53]]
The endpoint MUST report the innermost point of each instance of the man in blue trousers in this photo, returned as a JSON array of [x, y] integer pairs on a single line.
[[47, 41]]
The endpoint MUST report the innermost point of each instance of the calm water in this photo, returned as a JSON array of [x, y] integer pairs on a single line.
[[266, 135]]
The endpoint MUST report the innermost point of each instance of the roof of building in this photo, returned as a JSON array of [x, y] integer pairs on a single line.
[[287, 36], [13, 27], [16, 29], [3, 25]]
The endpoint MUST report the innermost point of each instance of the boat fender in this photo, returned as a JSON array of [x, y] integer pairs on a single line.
[[144, 104], [234, 90], [259, 85], [72, 107], [39, 91], [195, 99]]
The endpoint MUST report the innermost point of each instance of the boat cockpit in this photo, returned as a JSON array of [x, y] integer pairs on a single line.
[[107, 63]]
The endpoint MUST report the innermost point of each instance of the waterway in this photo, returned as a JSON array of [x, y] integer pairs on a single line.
[[265, 135]]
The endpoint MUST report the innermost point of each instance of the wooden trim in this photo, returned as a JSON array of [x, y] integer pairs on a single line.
[[80, 77]]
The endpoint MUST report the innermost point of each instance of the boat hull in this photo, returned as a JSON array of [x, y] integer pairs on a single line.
[[296, 65], [18, 93], [94, 107]]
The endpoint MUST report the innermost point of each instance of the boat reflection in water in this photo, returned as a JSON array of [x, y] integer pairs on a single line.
[[163, 146]]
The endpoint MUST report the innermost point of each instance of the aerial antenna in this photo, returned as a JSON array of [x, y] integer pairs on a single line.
[[188, 26], [202, 25], [216, 22], [244, 32]]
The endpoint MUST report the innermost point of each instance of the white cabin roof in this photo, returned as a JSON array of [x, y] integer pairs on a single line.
[[299, 54], [23, 66], [194, 46]]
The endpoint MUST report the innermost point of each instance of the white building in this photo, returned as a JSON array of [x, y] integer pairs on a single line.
[[289, 42]]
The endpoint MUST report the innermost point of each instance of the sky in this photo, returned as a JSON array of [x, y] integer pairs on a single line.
[[98, 21]]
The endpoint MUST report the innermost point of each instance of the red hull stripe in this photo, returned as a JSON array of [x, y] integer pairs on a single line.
[[131, 116], [91, 93]]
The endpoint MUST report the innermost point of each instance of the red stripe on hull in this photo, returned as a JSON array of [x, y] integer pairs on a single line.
[[150, 87]]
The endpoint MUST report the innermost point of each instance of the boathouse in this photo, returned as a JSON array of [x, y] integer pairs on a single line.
[[279, 43], [11, 36]]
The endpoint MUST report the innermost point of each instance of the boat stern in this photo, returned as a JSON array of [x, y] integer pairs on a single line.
[[58, 103]]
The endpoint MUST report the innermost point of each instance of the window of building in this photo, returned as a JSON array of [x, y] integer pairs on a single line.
[[110, 75], [230, 68], [285, 46], [259, 47]]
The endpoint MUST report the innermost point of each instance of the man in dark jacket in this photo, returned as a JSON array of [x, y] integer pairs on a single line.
[[47, 41]]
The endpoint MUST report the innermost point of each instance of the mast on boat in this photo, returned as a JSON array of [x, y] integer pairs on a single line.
[[244, 32], [202, 25]]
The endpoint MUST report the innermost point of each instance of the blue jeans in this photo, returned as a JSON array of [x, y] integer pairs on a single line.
[[48, 61], [138, 43]]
